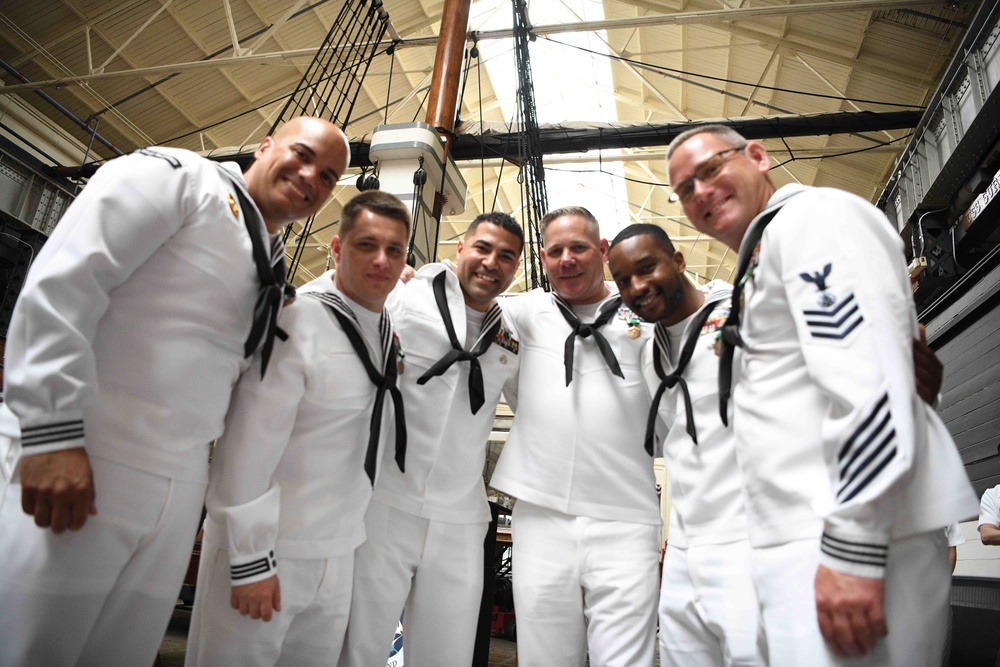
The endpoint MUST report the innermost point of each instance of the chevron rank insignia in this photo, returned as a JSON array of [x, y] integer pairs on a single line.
[[837, 316], [506, 340]]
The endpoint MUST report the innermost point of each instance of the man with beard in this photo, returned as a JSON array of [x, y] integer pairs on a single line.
[[426, 527], [708, 609]]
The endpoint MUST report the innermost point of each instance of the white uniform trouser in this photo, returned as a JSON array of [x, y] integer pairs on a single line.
[[102, 595], [582, 583], [436, 570], [309, 629], [708, 608], [917, 590]]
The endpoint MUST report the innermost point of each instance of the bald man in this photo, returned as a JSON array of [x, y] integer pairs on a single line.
[[134, 323]]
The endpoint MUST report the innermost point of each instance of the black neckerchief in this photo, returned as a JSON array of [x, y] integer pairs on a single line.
[[731, 329], [271, 273], [605, 314], [384, 381], [491, 325], [660, 346]]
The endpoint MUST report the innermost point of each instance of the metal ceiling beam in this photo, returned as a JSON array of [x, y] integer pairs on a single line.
[[716, 15], [676, 18], [626, 158], [67, 34], [559, 140]]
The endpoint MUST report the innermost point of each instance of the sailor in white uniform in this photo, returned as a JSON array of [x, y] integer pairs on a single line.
[[292, 475], [129, 334], [586, 523], [426, 527], [850, 477], [708, 610]]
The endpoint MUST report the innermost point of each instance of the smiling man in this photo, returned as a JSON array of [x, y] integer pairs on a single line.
[[426, 527], [707, 556], [293, 473], [849, 477], [128, 336], [586, 523]]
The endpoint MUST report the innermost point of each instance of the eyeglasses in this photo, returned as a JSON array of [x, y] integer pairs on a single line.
[[706, 172]]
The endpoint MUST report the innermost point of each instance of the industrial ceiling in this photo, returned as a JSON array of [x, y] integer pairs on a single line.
[[210, 74]]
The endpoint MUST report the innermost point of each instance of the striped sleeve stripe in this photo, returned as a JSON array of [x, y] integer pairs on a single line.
[[890, 455], [855, 552], [49, 433], [859, 431], [251, 569], [861, 459]]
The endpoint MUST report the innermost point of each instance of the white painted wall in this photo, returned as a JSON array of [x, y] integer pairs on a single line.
[[975, 559]]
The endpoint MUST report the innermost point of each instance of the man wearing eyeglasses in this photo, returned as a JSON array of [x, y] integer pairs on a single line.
[[849, 478]]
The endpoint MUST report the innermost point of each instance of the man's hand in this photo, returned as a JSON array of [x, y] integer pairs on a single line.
[[58, 489], [407, 273], [259, 599], [928, 368], [850, 612]]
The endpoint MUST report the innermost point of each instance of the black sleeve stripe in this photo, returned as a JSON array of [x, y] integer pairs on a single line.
[[860, 546], [860, 460], [251, 569], [34, 436], [863, 446], [878, 432], [850, 473], [864, 425], [856, 556], [851, 558], [855, 552], [43, 427], [860, 486]]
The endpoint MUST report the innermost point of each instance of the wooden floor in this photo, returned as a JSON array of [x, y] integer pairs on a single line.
[[172, 649]]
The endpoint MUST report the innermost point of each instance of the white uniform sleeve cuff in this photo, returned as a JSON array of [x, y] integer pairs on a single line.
[[854, 556], [252, 531], [52, 436], [249, 570]]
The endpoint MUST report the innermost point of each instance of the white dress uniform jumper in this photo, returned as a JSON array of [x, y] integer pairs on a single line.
[[426, 527], [290, 483], [586, 522], [843, 463], [130, 332]]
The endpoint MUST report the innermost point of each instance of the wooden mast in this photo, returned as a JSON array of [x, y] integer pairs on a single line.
[[442, 101]]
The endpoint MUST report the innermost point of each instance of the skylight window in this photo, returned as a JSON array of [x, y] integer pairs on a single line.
[[570, 85]]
